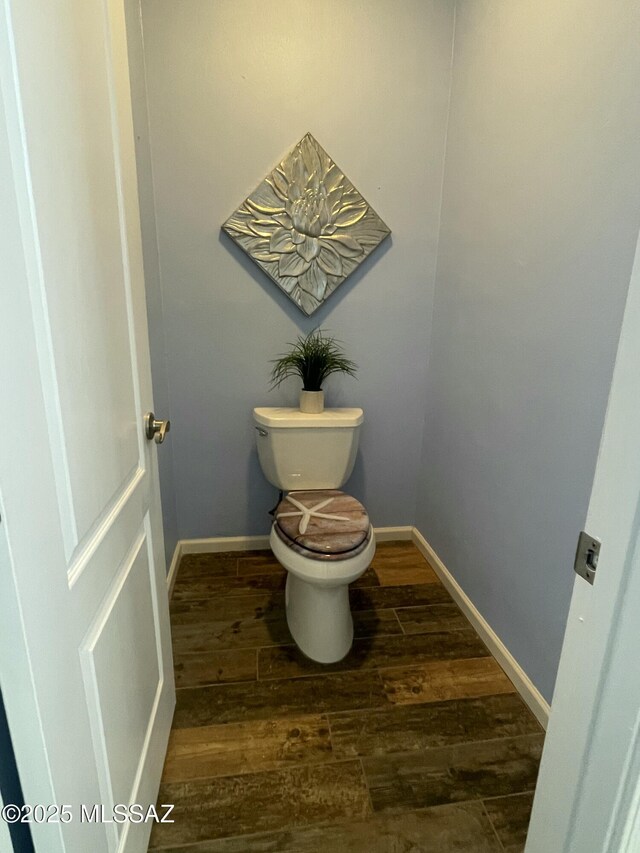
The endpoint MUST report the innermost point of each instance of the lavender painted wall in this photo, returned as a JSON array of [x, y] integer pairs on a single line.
[[229, 92], [541, 210]]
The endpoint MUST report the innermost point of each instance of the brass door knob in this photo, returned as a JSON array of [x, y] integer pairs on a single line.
[[154, 429]]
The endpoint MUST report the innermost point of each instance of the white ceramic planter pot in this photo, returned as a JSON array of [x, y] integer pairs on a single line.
[[312, 402]]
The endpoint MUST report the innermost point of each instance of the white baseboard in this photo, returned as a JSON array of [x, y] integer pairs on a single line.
[[256, 543], [216, 544], [393, 534], [173, 568], [224, 543], [523, 684]]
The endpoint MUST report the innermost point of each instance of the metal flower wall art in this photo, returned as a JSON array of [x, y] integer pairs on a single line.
[[307, 226]]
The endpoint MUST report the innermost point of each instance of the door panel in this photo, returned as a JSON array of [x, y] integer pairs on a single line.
[[86, 588], [127, 620], [75, 205]]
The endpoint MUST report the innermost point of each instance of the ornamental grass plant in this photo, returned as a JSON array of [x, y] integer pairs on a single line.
[[313, 358]]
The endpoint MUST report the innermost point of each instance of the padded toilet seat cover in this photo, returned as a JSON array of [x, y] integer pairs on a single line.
[[326, 522]]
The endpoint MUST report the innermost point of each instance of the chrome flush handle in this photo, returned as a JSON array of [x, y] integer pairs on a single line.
[[154, 429]]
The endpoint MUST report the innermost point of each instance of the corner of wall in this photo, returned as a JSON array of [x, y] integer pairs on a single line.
[[421, 461]]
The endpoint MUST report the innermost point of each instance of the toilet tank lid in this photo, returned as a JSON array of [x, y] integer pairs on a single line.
[[285, 417]]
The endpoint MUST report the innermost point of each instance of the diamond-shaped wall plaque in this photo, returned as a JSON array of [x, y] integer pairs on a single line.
[[307, 226]]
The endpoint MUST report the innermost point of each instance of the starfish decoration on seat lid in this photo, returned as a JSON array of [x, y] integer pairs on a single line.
[[309, 512]]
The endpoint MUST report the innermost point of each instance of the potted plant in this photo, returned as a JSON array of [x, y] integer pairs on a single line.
[[312, 358]]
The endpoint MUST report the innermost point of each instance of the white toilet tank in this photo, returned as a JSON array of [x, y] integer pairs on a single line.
[[300, 451]]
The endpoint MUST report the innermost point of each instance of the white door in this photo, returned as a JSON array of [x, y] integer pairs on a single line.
[[588, 795], [85, 654]]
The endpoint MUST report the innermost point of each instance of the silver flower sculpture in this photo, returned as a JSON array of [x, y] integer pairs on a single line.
[[306, 226]]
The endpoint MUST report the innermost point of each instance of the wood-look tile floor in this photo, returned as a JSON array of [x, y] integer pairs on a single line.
[[416, 741]]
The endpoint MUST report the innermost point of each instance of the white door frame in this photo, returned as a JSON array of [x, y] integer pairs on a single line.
[[588, 796]]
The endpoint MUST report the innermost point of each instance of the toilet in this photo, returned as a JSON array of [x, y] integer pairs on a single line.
[[320, 535]]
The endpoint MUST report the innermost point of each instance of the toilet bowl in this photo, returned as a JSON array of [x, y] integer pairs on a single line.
[[320, 535], [321, 561]]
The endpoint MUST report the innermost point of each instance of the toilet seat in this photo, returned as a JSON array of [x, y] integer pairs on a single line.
[[327, 524], [317, 555], [325, 542], [307, 566]]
